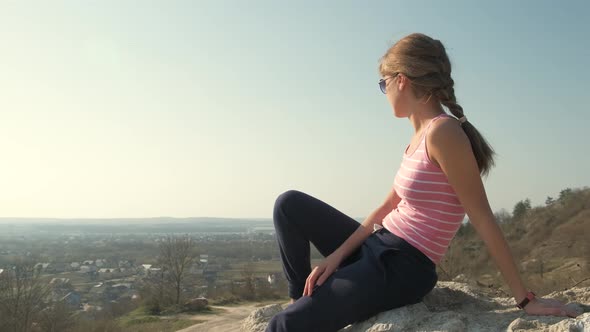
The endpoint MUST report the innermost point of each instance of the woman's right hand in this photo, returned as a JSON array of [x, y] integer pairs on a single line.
[[321, 272]]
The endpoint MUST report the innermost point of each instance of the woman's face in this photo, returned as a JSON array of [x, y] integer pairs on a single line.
[[395, 92]]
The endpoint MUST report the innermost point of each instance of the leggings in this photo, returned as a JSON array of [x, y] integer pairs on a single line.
[[385, 272]]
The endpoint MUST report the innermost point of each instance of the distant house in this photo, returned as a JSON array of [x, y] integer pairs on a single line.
[[60, 282], [73, 299], [154, 270], [88, 262], [41, 266], [56, 267], [1, 271], [75, 266], [144, 269], [125, 264], [122, 286], [100, 262], [124, 270], [203, 259], [88, 268], [105, 271]]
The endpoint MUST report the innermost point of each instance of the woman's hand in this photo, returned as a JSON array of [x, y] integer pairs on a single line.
[[321, 272], [541, 306]]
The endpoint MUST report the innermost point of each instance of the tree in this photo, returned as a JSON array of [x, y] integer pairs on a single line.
[[22, 296], [249, 289], [549, 200], [502, 216], [176, 257], [56, 318], [521, 208], [565, 193]]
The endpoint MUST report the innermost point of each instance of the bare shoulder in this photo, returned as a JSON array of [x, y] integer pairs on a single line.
[[446, 135]]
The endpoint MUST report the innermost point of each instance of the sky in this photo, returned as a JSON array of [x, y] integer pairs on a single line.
[[132, 109]]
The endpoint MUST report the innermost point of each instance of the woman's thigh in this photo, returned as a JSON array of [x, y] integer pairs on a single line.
[[320, 223], [353, 293]]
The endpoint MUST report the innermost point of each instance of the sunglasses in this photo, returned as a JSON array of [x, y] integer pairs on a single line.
[[383, 83]]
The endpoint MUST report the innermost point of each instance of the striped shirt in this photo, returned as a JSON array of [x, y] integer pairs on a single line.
[[429, 213]]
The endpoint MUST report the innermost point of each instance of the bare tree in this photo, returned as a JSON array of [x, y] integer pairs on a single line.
[[22, 296], [248, 274], [56, 318], [176, 257]]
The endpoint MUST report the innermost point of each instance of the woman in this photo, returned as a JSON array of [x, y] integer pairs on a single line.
[[390, 259]]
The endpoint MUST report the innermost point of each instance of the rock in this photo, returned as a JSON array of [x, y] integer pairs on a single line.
[[196, 304], [461, 278], [258, 319], [551, 324], [455, 306]]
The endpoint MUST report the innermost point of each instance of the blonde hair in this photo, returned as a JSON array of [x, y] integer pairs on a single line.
[[426, 64]]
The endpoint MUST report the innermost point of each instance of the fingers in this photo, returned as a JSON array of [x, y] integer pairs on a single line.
[[310, 281], [317, 277], [558, 308], [323, 278], [553, 302], [555, 308], [555, 312]]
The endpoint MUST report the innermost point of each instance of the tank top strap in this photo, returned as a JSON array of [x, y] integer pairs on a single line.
[[430, 123], [422, 143]]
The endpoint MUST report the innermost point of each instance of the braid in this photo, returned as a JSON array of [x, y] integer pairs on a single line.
[[443, 59], [425, 62], [446, 96]]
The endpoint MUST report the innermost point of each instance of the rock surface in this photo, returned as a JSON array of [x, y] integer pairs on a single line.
[[196, 304], [456, 306]]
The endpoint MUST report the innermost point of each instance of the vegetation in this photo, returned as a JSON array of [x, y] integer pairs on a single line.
[[549, 244]]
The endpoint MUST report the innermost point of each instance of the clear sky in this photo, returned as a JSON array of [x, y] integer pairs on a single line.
[[213, 108]]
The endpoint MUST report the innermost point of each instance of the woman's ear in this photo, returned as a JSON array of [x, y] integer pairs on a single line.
[[402, 82]]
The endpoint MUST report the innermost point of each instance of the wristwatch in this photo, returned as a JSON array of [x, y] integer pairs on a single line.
[[529, 297]]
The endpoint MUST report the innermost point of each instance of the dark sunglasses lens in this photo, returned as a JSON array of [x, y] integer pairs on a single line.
[[382, 85]]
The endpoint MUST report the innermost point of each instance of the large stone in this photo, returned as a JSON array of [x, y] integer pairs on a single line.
[[196, 304], [455, 306], [258, 319]]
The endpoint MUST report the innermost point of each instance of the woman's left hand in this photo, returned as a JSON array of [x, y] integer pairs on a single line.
[[541, 306]]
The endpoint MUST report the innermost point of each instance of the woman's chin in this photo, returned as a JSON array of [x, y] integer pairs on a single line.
[[399, 115]]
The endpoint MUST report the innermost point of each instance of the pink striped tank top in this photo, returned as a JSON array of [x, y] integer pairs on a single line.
[[429, 213]]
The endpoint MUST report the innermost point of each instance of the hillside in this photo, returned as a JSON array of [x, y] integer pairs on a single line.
[[550, 245]]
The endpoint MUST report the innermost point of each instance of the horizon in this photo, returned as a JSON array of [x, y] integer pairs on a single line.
[[113, 111]]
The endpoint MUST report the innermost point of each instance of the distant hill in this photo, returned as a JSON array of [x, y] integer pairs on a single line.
[[550, 243], [127, 221], [30, 226]]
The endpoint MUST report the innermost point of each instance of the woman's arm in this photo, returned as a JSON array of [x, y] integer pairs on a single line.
[[449, 147], [366, 228], [320, 273]]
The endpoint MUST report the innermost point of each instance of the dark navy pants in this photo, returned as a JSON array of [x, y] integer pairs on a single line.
[[385, 272]]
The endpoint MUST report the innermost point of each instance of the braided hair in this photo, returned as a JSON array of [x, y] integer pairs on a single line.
[[425, 62]]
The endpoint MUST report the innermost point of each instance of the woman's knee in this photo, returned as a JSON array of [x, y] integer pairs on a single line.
[[278, 323], [285, 199]]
